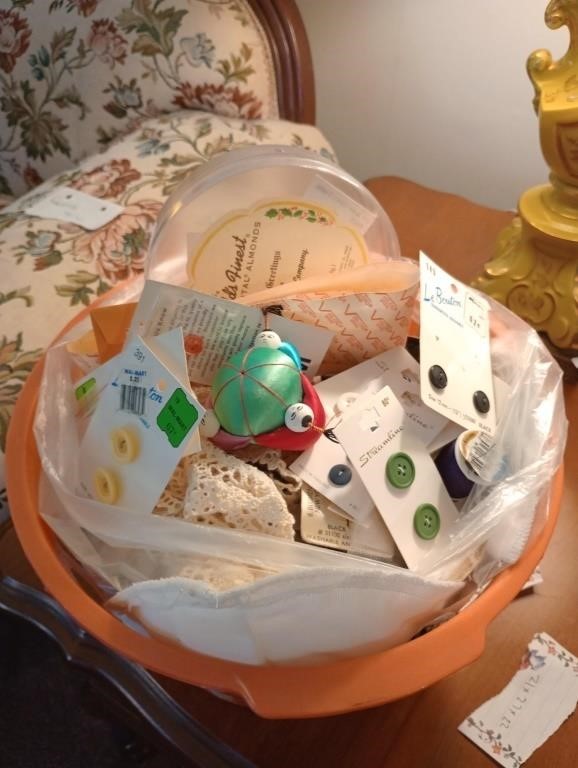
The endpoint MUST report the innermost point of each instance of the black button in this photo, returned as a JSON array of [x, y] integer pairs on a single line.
[[437, 377], [481, 401], [340, 474]]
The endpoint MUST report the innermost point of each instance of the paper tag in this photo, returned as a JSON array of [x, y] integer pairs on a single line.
[[535, 579], [534, 704], [452, 431], [144, 421], [372, 538], [87, 390], [352, 213], [455, 350], [214, 329], [71, 205], [396, 368], [381, 442], [322, 524], [400, 371], [311, 341], [276, 242]]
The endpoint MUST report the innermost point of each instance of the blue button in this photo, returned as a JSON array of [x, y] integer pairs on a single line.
[[340, 474]]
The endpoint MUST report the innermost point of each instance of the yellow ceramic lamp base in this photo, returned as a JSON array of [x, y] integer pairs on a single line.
[[534, 270]]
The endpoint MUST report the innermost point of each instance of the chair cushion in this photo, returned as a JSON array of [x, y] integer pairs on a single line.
[[50, 269], [76, 74]]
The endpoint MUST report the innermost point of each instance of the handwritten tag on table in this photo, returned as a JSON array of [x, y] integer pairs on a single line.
[[534, 704]]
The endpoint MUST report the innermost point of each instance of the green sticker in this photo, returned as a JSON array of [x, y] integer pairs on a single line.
[[177, 417], [83, 389]]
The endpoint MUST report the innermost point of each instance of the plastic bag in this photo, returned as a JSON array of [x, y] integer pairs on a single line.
[[524, 455], [124, 548], [284, 601]]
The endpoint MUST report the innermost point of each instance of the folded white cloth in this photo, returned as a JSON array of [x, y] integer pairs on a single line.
[[307, 615]]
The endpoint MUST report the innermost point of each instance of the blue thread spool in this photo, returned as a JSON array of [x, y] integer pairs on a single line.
[[457, 477]]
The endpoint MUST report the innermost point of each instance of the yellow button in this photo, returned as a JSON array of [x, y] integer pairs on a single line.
[[125, 444], [106, 485]]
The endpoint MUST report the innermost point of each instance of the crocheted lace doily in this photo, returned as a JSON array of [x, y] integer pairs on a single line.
[[272, 462], [224, 490], [172, 500]]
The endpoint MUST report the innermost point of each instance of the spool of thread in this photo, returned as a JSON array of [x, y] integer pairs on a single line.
[[458, 477]]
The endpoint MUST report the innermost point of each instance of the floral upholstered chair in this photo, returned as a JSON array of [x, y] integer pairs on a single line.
[[122, 100]]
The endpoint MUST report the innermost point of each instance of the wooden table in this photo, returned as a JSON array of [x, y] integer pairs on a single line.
[[422, 729]]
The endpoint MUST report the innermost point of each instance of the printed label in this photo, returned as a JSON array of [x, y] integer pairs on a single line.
[[320, 523], [177, 418], [132, 399], [276, 242]]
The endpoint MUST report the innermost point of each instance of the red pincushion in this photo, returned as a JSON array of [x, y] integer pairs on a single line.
[[284, 439]]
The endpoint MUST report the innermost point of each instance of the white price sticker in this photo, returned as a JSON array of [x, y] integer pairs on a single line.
[[71, 205]]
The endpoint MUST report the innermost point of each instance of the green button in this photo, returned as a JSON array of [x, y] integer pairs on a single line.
[[400, 470], [426, 521]]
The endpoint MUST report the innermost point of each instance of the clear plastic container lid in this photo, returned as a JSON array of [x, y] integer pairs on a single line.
[[242, 181]]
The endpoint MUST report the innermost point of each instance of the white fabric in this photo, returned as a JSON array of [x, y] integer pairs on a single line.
[[298, 616]]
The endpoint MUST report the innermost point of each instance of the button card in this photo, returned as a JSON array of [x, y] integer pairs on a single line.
[[144, 420], [339, 395], [385, 449], [455, 363]]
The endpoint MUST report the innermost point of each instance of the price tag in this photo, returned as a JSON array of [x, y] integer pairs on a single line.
[[71, 205], [177, 418]]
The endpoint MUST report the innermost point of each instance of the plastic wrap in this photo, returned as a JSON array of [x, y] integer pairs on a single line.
[[498, 518], [259, 599], [272, 590]]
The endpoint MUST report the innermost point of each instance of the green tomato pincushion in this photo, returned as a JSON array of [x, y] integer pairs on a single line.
[[253, 389]]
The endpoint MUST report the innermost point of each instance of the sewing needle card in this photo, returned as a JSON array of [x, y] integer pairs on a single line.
[[144, 421], [534, 704], [455, 363]]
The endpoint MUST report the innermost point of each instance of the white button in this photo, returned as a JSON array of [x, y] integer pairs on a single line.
[[210, 424], [345, 401]]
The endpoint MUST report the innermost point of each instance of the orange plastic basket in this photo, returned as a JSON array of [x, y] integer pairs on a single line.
[[289, 691]]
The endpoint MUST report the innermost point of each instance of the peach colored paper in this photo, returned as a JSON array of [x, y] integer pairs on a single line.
[[368, 309]]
